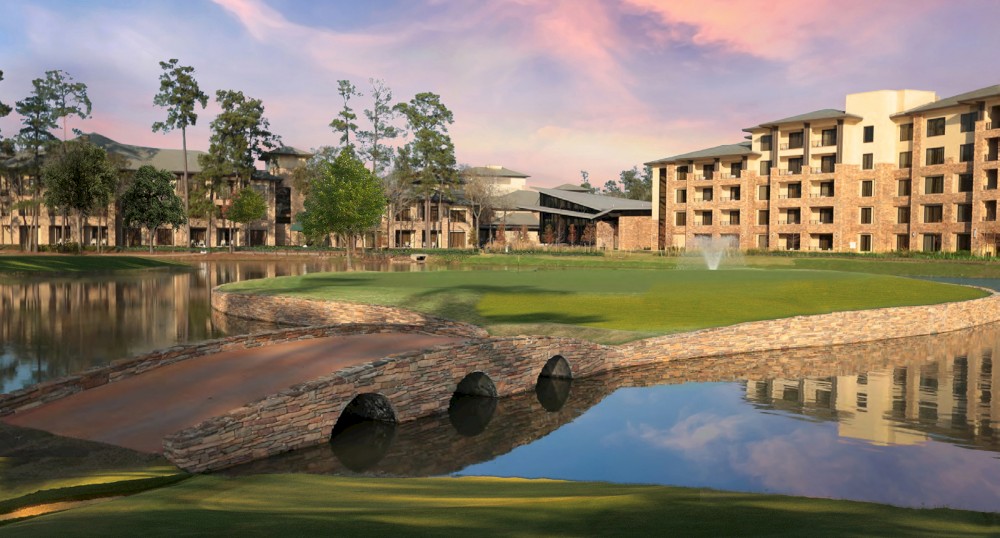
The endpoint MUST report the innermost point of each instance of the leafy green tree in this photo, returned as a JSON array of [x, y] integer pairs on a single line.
[[34, 137], [344, 122], [248, 205], [76, 179], [345, 199], [240, 133], [381, 115], [215, 171], [179, 94], [611, 188], [431, 151], [636, 185], [150, 202], [4, 109], [585, 181], [64, 97]]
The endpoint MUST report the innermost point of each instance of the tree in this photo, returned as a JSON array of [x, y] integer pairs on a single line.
[[211, 183], [431, 152], [4, 110], [589, 234], [63, 96], [481, 193], [636, 186], [397, 186], [380, 116], [179, 93], [571, 238], [77, 180], [585, 181], [611, 189], [344, 199], [344, 122], [34, 137], [240, 133], [248, 205], [150, 202]]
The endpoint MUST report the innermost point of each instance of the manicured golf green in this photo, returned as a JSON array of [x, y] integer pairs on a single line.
[[308, 505], [78, 264], [609, 305]]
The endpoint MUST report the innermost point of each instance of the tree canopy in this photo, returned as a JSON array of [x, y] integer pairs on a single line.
[[4, 108], [248, 205], [344, 198], [150, 202], [80, 179], [372, 146], [63, 96], [179, 94], [344, 123], [240, 133]]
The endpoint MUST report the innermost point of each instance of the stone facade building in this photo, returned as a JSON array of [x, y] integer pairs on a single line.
[[895, 170]]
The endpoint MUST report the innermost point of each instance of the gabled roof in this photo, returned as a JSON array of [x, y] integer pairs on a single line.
[[494, 171], [519, 198], [171, 160], [815, 115], [725, 150], [572, 188], [598, 202], [960, 99]]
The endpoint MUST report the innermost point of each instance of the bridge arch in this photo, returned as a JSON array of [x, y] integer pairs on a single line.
[[473, 404], [554, 382], [557, 367], [364, 431]]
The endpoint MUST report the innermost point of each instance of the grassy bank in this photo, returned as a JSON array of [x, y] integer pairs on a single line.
[[307, 505], [610, 306], [78, 264]]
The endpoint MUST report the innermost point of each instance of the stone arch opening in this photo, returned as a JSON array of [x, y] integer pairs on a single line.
[[557, 368], [554, 383], [364, 431], [472, 405]]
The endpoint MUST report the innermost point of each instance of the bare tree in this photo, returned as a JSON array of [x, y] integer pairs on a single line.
[[483, 197]]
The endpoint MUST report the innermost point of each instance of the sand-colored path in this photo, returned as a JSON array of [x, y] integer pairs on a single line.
[[139, 412]]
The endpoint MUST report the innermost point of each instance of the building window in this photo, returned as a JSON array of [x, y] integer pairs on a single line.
[[902, 242], [735, 169], [902, 215], [794, 190], [763, 216], [963, 241], [869, 135], [932, 242], [680, 218], [682, 196], [906, 132], [933, 213], [963, 212], [763, 192], [789, 241], [865, 243], [734, 194], [795, 165], [933, 184], [705, 218], [765, 143], [825, 215], [708, 171], [826, 189], [965, 153], [990, 208], [827, 163], [867, 161], [965, 183], [792, 216], [707, 195], [795, 140], [969, 122], [866, 215], [682, 173], [867, 188], [903, 188], [935, 127], [828, 137], [991, 180], [762, 242], [905, 159], [765, 168], [734, 218]]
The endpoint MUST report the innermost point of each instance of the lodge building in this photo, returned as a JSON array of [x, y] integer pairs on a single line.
[[895, 170]]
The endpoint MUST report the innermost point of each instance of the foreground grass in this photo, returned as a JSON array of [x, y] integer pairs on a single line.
[[78, 264], [309, 505], [601, 304]]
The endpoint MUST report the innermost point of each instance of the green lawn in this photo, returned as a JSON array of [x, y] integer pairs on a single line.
[[309, 505], [78, 264], [611, 306]]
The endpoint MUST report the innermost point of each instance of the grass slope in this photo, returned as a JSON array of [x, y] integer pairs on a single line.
[[607, 305], [78, 264], [308, 505]]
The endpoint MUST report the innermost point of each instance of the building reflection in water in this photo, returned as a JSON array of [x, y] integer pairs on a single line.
[[56, 326]]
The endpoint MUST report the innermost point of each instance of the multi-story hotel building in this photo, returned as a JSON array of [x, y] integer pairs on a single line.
[[894, 170]]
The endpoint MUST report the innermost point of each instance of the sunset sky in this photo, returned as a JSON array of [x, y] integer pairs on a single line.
[[546, 87]]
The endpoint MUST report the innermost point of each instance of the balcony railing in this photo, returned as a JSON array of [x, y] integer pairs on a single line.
[[821, 221], [729, 198], [989, 125], [730, 222], [790, 196], [789, 221], [821, 195], [823, 143]]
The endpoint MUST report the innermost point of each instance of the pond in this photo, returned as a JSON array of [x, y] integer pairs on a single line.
[[56, 326], [905, 422]]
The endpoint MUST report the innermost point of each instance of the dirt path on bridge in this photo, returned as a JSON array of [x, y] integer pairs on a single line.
[[139, 412]]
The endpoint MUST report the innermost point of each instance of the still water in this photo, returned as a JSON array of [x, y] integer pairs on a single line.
[[904, 422], [56, 326]]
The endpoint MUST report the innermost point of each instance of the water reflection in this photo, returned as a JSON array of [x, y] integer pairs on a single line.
[[55, 326], [888, 422]]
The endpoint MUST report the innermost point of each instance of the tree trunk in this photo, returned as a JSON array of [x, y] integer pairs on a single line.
[[151, 240], [350, 247], [184, 149], [427, 222]]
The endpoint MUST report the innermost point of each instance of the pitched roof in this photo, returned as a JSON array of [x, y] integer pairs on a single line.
[[288, 150], [162, 159], [494, 171], [815, 115], [572, 188], [519, 198], [725, 150], [962, 98], [598, 202]]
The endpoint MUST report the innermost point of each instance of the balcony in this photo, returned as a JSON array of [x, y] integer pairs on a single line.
[[823, 143], [821, 221], [729, 175], [730, 222], [821, 195], [789, 221]]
